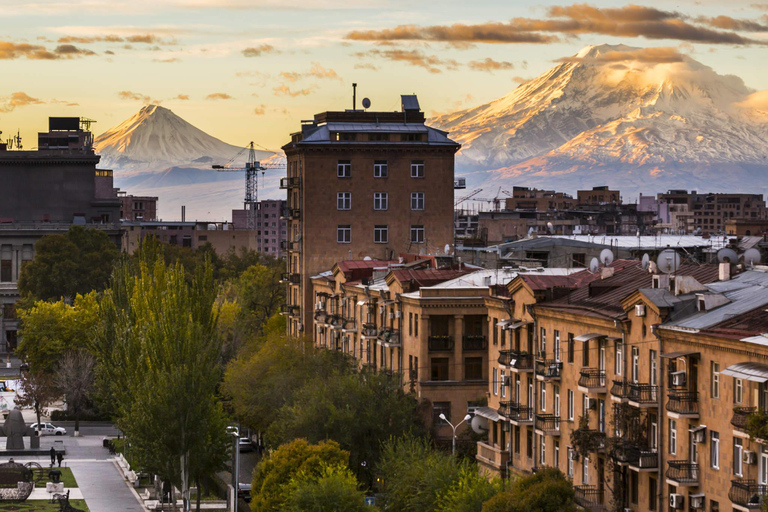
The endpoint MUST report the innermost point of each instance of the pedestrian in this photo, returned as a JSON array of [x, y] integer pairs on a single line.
[[59, 457], [53, 456]]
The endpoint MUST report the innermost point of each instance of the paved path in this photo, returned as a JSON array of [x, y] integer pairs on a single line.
[[103, 487]]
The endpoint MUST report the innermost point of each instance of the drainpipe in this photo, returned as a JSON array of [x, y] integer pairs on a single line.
[[660, 423], [620, 325], [535, 394]]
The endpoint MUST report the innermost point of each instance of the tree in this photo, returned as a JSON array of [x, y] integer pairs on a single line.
[[37, 391], [71, 264], [273, 475], [545, 491], [469, 492], [74, 379], [335, 490], [259, 293]]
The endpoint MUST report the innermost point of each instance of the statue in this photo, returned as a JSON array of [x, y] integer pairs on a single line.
[[14, 429]]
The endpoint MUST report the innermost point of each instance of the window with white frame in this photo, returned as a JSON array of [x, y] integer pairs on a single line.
[[344, 169], [585, 471], [417, 234], [738, 391], [344, 201], [570, 405], [672, 437], [556, 342], [496, 381], [380, 169], [380, 200], [570, 463], [503, 384], [543, 396], [654, 366], [619, 357], [738, 457], [380, 234], [417, 200], [715, 379], [344, 234], [556, 403], [714, 449], [543, 341], [543, 445], [557, 454], [635, 364], [417, 168]]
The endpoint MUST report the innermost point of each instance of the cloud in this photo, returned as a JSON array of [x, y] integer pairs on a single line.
[[167, 61], [65, 103], [182, 97], [568, 21], [490, 65], [762, 7], [19, 99], [284, 90], [260, 110], [72, 50], [728, 23], [366, 65], [129, 95], [89, 40], [658, 55], [258, 51], [291, 76], [431, 63], [316, 71], [520, 79], [10, 50], [109, 52], [757, 100], [218, 96]]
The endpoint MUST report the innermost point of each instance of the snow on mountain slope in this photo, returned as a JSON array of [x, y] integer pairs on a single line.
[[616, 115]]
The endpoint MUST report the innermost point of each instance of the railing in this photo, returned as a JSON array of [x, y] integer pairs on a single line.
[[592, 378], [289, 182], [515, 411], [548, 423], [741, 415], [620, 389], [645, 394], [493, 455], [440, 343], [289, 277], [630, 453], [683, 472], [517, 360], [294, 246], [683, 402], [747, 493], [589, 497], [549, 368], [474, 342], [390, 337]]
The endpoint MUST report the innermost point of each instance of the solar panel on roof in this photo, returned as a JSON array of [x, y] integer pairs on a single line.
[[410, 102]]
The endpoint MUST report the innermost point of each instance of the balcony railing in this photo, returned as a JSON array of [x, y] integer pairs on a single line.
[[369, 330], [521, 361], [389, 337], [747, 493], [286, 183], [440, 343], [630, 453], [289, 277], [496, 457], [549, 368], [474, 342], [683, 472], [683, 402], [741, 415], [592, 378], [589, 497], [643, 394], [548, 423], [515, 411], [620, 389]]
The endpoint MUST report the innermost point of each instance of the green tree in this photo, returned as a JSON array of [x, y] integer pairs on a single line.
[[413, 476], [259, 294], [159, 351], [545, 491], [71, 264], [335, 490], [273, 475], [469, 492]]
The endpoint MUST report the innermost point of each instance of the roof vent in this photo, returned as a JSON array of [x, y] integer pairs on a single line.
[[409, 103]]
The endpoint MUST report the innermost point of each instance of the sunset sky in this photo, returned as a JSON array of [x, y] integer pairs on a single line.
[[246, 70]]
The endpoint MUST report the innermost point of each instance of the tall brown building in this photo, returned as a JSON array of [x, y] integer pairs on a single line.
[[364, 184]]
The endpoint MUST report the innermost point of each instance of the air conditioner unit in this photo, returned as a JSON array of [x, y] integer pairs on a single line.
[[573, 455], [398, 314], [678, 378], [300, 327], [628, 510], [319, 306], [676, 501], [699, 435], [640, 310], [591, 403], [750, 457], [697, 501], [381, 309]]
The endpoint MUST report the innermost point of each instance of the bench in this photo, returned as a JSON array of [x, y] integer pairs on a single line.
[[153, 504]]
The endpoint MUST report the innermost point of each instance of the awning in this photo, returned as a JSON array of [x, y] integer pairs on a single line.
[[589, 337], [675, 355], [756, 372], [489, 413], [517, 325], [697, 428], [362, 302]]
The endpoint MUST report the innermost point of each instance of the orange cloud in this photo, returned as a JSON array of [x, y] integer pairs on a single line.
[[129, 95], [431, 63], [284, 90], [10, 50], [489, 65], [258, 51], [218, 96], [260, 110], [182, 97], [659, 55], [19, 99]]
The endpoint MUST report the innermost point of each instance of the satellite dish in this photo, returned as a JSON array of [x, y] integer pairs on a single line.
[[367, 258], [550, 227], [668, 261], [530, 231], [606, 256], [594, 265], [726, 255], [646, 261], [366, 103], [752, 256], [479, 424], [447, 248]]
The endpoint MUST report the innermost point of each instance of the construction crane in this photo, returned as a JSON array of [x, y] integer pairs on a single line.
[[467, 197], [252, 167], [496, 201]]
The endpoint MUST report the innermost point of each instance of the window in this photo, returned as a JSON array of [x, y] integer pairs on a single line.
[[672, 437], [635, 364], [715, 379], [503, 378], [738, 454], [570, 463], [557, 454], [439, 408], [417, 200], [570, 347], [344, 169], [380, 234], [585, 471], [344, 201], [633, 487], [570, 405], [543, 395], [517, 439], [529, 443], [439, 368], [344, 234], [619, 357], [380, 169], [714, 506], [738, 391], [416, 325], [496, 381], [557, 345], [380, 201], [543, 340], [410, 324], [417, 234], [543, 446], [714, 449], [473, 370], [654, 365], [417, 168]]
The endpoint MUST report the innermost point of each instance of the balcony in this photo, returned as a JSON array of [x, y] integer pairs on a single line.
[[741, 416], [548, 424], [684, 403], [620, 389], [369, 330], [440, 343], [593, 380], [294, 246], [548, 368], [291, 214], [643, 395], [286, 183], [627, 452], [747, 493], [389, 338], [516, 361], [290, 310], [515, 412], [683, 473], [492, 456], [289, 277], [474, 342], [459, 183], [589, 497]]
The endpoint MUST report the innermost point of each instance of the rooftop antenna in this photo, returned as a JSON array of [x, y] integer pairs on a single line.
[[354, 97], [752, 256]]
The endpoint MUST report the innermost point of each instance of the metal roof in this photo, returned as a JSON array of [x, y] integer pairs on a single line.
[[756, 372], [489, 413], [322, 134], [645, 242], [589, 337]]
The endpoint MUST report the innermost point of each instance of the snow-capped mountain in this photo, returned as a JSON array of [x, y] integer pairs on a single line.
[[642, 120]]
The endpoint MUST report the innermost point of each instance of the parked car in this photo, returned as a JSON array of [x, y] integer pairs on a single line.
[[245, 444], [244, 492], [49, 429]]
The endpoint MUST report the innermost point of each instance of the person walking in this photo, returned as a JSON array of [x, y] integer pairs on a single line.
[[53, 456], [59, 457]]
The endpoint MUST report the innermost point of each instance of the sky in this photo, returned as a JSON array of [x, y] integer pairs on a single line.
[[246, 70]]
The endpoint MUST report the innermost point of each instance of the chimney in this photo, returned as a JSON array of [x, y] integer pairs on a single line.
[[183, 213], [606, 272], [725, 271]]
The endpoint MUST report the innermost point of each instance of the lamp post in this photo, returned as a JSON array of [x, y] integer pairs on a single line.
[[466, 418], [234, 431]]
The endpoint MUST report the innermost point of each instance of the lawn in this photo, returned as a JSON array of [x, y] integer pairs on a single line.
[[66, 477], [40, 506]]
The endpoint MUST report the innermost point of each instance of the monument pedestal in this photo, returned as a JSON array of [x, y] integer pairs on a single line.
[[52, 488], [34, 441]]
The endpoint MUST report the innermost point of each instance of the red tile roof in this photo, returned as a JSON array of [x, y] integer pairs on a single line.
[[751, 323], [427, 277]]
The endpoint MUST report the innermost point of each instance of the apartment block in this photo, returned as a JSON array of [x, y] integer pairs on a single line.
[[364, 184], [137, 208]]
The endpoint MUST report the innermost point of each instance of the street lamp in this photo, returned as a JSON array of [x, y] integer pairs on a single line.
[[234, 431], [466, 418]]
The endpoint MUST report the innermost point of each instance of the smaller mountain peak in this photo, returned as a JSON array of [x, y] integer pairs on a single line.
[[594, 50], [153, 109]]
